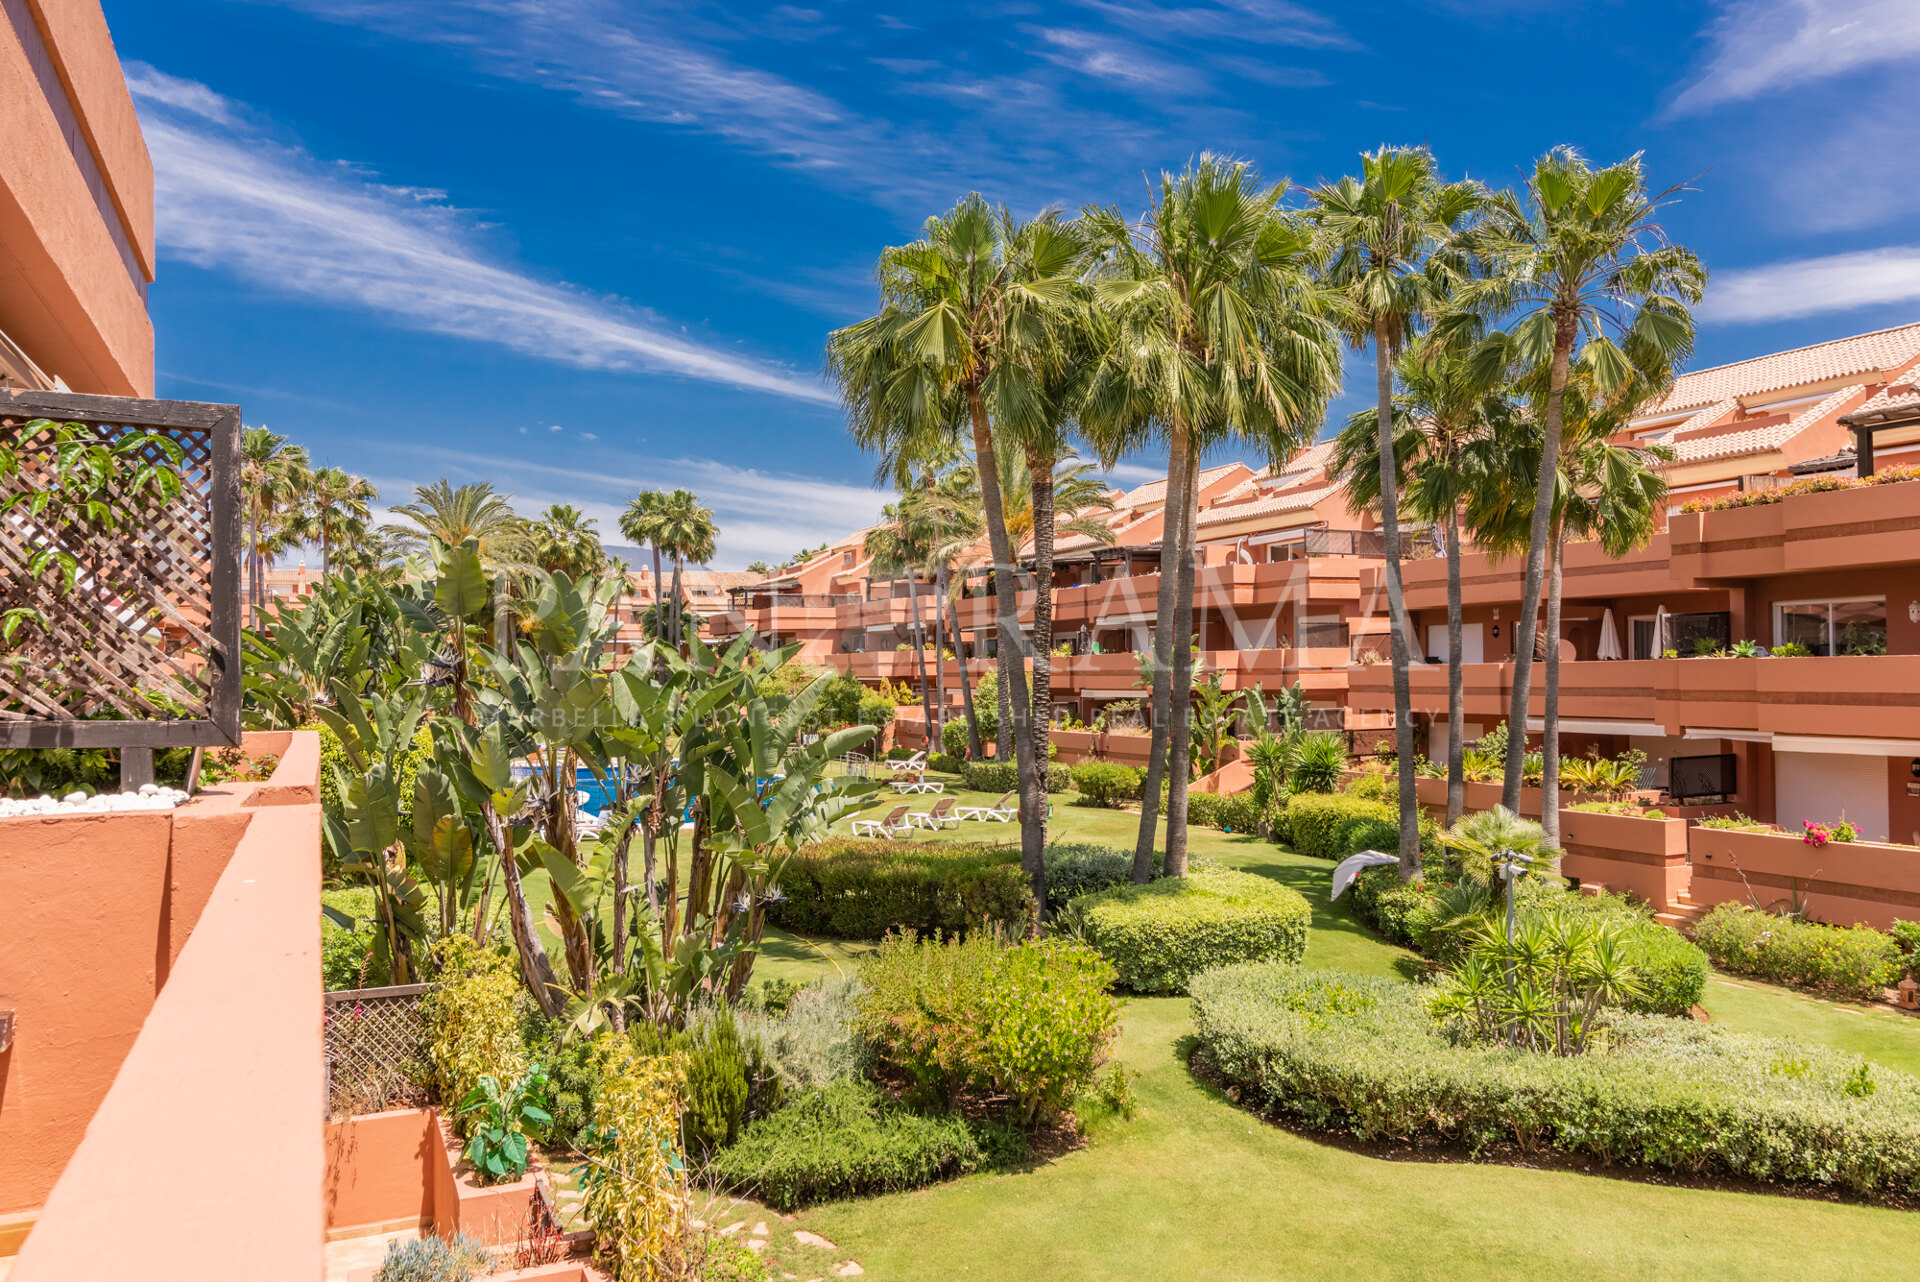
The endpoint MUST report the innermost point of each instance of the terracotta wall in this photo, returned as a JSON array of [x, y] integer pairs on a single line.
[[380, 1171], [95, 911], [66, 294], [236, 1030]]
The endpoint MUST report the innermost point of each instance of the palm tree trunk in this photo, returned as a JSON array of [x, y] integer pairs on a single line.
[[975, 750], [659, 600], [1003, 748], [1033, 790], [1529, 623], [1396, 606], [1040, 468], [1162, 663], [937, 725], [920, 654], [536, 970], [1456, 680], [1180, 681], [676, 599], [1550, 721]]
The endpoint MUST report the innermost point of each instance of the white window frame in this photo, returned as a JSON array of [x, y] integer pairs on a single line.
[[1879, 598], [1636, 618]]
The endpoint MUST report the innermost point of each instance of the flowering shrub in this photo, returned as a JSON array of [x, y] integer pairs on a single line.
[[1807, 485], [1851, 961], [1819, 834]]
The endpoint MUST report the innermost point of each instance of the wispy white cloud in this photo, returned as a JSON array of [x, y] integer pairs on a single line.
[[1762, 46], [1812, 286], [762, 515], [231, 197], [1253, 21]]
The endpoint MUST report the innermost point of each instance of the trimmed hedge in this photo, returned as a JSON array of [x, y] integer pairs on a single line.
[[1107, 783], [946, 763], [1853, 962], [1332, 825], [849, 1138], [1362, 1055], [1160, 935], [1004, 776], [1075, 869], [853, 888], [1672, 972]]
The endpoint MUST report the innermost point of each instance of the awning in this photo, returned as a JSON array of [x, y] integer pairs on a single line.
[[1123, 620], [1846, 746], [1736, 736], [1115, 694], [1571, 726]]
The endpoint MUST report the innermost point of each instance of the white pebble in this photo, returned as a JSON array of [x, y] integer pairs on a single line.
[[150, 797]]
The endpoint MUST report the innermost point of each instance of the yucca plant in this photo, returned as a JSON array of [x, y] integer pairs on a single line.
[[1323, 759]]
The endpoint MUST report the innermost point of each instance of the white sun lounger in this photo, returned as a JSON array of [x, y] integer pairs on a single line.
[[941, 816], [896, 822], [1001, 811]]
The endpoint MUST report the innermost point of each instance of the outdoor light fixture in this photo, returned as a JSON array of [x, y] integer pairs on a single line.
[[1913, 611]]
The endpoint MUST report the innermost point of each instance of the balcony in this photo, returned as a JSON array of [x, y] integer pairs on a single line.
[[1589, 574], [1873, 696], [1839, 529]]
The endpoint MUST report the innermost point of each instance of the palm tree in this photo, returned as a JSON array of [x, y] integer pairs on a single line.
[[963, 311], [1391, 239], [684, 531], [1451, 422], [564, 539], [1580, 259], [454, 514], [1603, 492], [1219, 329], [897, 546], [1067, 491], [640, 522], [337, 509], [273, 476]]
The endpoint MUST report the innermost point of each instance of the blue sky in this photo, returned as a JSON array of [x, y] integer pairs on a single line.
[[576, 247]]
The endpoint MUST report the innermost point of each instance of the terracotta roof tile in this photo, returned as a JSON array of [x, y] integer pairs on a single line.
[[1903, 393], [1156, 491], [1223, 512], [1881, 350], [1754, 441]]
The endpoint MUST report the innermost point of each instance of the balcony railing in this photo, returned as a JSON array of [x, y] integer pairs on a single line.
[[1415, 544], [789, 600]]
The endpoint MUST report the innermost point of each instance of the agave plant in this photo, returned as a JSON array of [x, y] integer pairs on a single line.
[[1322, 760]]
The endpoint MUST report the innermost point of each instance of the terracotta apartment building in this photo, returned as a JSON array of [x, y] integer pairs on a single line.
[[1290, 588]]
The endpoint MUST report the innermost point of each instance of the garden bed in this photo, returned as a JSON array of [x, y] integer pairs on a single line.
[[1362, 1056], [1158, 936], [1841, 882]]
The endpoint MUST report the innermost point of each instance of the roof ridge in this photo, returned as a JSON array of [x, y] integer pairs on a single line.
[[1748, 360]]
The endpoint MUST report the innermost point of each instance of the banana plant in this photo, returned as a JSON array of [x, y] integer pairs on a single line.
[[374, 731], [783, 800]]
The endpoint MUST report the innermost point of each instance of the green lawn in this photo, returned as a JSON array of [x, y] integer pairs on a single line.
[[1196, 1188]]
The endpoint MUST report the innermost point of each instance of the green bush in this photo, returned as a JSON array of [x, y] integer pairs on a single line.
[[1158, 936], [1030, 1022], [1107, 783], [1362, 1055], [815, 1042], [848, 1139], [1203, 808], [1004, 776], [1238, 813], [1316, 820], [436, 1259], [1907, 935], [1852, 961], [1075, 869], [852, 888], [729, 1076], [946, 763], [1671, 972]]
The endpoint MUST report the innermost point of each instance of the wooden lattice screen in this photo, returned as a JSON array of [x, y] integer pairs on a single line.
[[155, 610]]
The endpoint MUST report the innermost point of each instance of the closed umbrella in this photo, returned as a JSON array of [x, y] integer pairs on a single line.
[[1659, 631], [1352, 866], [1609, 636]]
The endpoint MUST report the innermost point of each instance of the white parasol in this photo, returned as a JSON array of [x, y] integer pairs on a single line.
[[1609, 636], [1659, 631], [1350, 868]]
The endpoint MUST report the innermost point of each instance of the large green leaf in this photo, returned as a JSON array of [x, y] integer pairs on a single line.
[[460, 588]]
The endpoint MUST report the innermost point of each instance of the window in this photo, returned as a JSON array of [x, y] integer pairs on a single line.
[[1851, 625]]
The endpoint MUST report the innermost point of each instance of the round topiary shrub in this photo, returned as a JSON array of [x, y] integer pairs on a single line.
[[1160, 935]]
